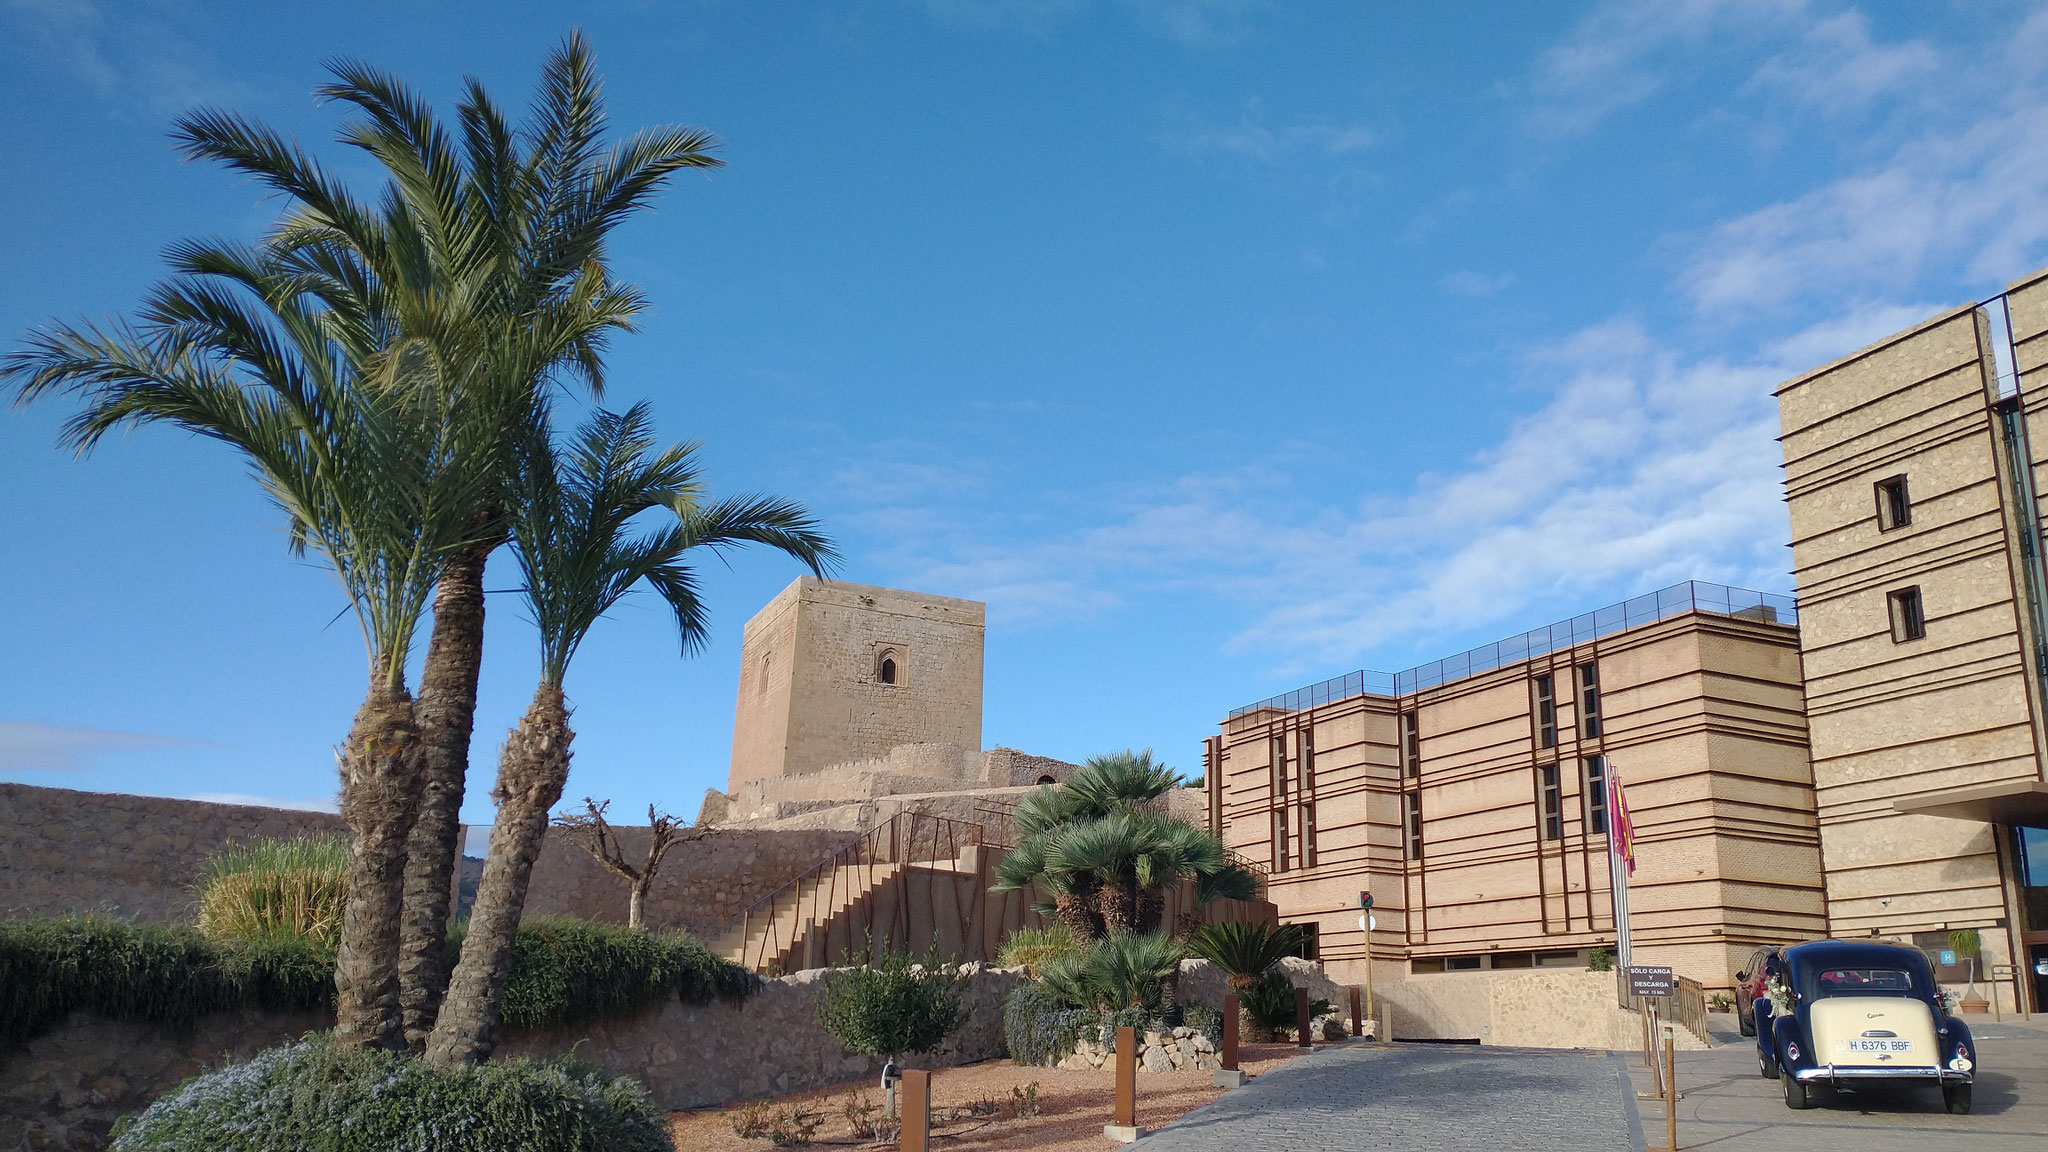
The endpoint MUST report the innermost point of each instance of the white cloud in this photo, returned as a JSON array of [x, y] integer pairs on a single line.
[[26, 746], [327, 805], [1968, 197], [133, 59], [1251, 139], [1617, 56], [1836, 67], [1466, 282]]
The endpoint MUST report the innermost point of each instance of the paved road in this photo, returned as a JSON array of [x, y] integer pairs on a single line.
[[1729, 1108], [1403, 1097]]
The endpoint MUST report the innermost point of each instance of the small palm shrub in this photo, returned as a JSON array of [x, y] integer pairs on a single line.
[[1033, 948], [275, 888], [1270, 1004], [1245, 951], [1119, 973], [316, 1097], [892, 1006]]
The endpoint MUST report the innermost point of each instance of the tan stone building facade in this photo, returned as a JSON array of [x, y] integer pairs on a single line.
[[832, 672], [1468, 795], [1912, 469]]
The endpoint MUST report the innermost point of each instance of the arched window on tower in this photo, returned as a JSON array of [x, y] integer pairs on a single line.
[[885, 667]]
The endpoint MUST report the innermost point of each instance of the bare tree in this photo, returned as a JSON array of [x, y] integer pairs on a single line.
[[595, 834]]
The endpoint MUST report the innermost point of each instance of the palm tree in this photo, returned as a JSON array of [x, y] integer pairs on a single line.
[[245, 347], [1244, 951], [572, 531], [489, 253]]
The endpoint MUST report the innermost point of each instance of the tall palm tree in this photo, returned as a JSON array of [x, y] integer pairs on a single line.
[[490, 251], [572, 529], [245, 347]]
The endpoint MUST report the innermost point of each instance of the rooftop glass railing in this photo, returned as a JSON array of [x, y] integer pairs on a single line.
[[1691, 596]]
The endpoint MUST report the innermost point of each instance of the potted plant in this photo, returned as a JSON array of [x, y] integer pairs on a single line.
[[1966, 942]]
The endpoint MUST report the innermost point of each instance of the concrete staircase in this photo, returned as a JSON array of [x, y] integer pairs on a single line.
[[778, 932]]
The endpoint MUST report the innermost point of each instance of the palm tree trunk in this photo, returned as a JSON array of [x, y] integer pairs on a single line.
[[1072, 910], [379, 783], [1114, 901], [447, 716], [531, 773]]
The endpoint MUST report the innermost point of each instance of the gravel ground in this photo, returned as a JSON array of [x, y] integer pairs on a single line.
[[1073, 1107]]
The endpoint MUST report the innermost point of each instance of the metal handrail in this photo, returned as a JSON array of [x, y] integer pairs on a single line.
[[891, 846]]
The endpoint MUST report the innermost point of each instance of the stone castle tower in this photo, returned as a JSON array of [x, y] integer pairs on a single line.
[[831, 672]]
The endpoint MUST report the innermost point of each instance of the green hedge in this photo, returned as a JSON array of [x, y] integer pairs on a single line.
[[161, 973], [314, 1097], [563, 971]]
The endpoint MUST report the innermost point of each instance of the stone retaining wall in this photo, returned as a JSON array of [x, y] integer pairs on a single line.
[[63, 1091]]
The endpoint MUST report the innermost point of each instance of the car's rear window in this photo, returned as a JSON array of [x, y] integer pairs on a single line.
[[1862, 982]]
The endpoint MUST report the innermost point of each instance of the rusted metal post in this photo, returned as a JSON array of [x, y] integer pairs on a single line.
[[917, 1111], [1301, 1034], [1357, 1016], [1671, 1091], [1230, 1011], [1124, 1128]]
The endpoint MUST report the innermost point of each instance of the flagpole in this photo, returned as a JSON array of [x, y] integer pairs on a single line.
[[1619, 834]]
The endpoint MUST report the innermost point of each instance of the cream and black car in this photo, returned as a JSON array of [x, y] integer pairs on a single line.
[[1853, 1015]]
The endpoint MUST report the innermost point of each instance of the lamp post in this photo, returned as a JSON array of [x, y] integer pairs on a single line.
[[1367, 923]]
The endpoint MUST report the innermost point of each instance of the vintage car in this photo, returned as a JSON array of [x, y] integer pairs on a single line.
[[1749, 986], [1861, 1015]]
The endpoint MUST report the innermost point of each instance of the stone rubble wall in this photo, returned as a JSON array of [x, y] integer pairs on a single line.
[[63, 1091], [703, 885], [693, 1057], [136, 857]]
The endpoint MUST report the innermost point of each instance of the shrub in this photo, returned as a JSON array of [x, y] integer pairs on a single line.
[[1033, 948], [315, 1097], [564, 970], [1245, 951], [1270, 1003], [1117, 973], [1024, 1101], [1040, 1027], [160, 973], [891, 1006], [1204, 1019], [275, 888], [1600, 960]]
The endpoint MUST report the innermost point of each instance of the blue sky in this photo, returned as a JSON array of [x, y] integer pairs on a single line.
[[1218, 346]]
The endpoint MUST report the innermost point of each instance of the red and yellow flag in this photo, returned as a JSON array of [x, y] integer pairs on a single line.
[[1621, 829]]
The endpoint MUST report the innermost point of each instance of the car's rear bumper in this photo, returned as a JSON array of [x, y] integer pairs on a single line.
[[1833, 1073]]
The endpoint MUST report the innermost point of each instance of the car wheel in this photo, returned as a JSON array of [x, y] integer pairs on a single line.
[[1745, 1018], [1796, 1094], [1956, 1098], [1766, 1067]]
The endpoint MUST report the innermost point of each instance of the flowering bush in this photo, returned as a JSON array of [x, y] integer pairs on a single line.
[[314, 1097]]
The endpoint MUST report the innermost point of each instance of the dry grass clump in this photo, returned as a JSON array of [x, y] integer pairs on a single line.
[[272, 888]]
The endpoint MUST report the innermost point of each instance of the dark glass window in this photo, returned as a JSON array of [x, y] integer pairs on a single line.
[[1414, 801], [1546, 713], [888, 673], [1411, 745], [1596, 795], [1553, 811], [1894, 506], [1909, 620], [1589, 699]]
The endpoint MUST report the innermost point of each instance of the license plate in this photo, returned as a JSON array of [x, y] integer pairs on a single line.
[[1880, 1045]]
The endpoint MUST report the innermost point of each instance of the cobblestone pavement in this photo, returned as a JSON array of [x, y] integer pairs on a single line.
[[1401, 1097], [1727, 1107]]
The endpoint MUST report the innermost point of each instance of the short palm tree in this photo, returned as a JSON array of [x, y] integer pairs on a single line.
[[242, 347], [573, 531], [1244, 951], [487, 251]]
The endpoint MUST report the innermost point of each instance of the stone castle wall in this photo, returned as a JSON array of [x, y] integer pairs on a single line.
[[136, 857], [702, 886]]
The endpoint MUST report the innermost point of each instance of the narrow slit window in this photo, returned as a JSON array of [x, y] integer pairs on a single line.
[[1546, 712], [1589, 699], [1411, 746], [1553, 805], [1909, 619], [1894, 505], [1596, 795], [1414, 802]]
